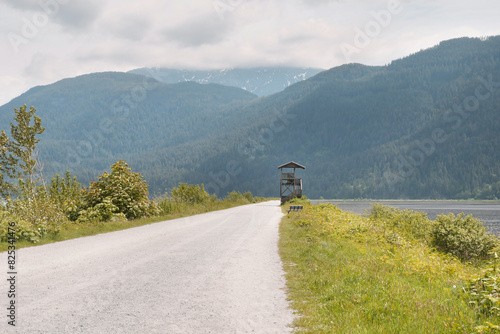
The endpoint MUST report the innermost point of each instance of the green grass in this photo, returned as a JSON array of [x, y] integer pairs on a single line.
[[349, 274], [74, 230]]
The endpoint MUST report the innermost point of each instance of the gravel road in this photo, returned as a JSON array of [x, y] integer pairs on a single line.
[[218, 272]]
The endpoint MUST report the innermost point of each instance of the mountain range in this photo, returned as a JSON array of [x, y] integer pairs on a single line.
[[424, 126], [260, 81]]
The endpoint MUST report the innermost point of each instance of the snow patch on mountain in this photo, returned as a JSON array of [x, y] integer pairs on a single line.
[[261, 81]]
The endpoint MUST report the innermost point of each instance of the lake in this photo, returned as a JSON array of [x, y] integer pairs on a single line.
[[486, 211]]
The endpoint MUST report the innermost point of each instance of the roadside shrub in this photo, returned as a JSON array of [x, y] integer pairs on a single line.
[[248, 196], [67, 192], [24, 231], [411, 223], [483, 293], [167, 205], [34, 217], [190, 194], [300, 201], [186, 195], [101, 212], [464, 237], [39, 209], [125, 190], [235, 196], [118, 217]]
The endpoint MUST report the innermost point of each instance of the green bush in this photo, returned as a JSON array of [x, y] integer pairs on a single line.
[[167, 205], [464, 237], [67, 192], [249, 197], [185, 196], [38, 209], [125, 190], [299, 201], [24, 231], [34, 218], [101, 212], [190, 194], [483, 293], [412, 224], [235, 196]]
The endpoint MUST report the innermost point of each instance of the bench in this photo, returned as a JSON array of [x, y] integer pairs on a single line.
[[295, 208]]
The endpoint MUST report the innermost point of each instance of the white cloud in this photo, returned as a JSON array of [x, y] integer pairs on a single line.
[[97, 35], [71, 14], [198, 31]]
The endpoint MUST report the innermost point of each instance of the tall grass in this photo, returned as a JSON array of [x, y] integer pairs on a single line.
[[352, 274]]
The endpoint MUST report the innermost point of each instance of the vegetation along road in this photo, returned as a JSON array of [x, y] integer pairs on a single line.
[[218, 272]]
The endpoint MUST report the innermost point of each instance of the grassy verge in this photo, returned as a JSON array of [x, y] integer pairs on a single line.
[[72, 230], [351, 274]]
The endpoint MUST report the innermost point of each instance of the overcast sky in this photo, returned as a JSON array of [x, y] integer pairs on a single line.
[[43, 41]]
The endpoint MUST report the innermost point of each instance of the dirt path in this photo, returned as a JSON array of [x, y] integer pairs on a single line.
[[218, 272]]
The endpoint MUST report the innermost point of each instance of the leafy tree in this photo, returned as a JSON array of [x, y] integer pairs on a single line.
[[18, 153], [125, 190], [6, 165]]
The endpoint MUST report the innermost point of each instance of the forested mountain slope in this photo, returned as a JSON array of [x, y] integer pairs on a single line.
[[425, 126], [400, 130], [93, 120]]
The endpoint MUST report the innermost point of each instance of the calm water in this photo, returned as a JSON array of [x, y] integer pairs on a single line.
[[486, 211]]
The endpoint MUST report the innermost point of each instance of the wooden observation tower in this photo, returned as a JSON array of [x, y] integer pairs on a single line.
[[290, 185]]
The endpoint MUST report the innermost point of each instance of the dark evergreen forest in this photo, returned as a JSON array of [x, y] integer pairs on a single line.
[[425, 126]]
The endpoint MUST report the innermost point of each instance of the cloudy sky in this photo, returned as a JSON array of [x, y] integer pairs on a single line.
[[43, 41]]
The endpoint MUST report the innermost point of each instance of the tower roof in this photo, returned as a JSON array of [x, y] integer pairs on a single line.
[[291, 164]]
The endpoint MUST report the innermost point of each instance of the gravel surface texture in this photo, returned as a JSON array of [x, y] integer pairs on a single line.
[[218, 272]]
